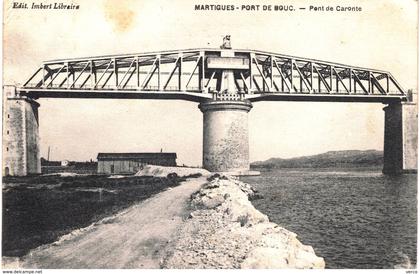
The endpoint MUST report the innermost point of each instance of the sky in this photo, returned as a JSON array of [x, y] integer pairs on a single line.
[[382, 36]]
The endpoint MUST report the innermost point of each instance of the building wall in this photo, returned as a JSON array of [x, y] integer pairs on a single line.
[[129, 166]]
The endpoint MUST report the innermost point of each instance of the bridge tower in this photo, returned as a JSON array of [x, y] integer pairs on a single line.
[[225, 117], [21, 153]]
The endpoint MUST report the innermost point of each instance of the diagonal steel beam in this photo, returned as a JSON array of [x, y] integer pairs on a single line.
[[150, 73], [33, 75], [125, 74], [256, 83], [261, 74], [192, 73], [84, 82], [283, 77], [172, 73], [320, 77], [55, 75], [245, 83], [400, 89], [129, 77], [358, 81], [107, 79], [302, 77], [275, 86], [66, 80], [337, 75], [376, 83], [103, 73], [211, 78], [44, 76], [80, 74]]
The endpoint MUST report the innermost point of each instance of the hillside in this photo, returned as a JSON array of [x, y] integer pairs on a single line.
[[346, 158]]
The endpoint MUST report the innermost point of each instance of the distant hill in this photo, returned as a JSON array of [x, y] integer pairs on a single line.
[[345, 158]]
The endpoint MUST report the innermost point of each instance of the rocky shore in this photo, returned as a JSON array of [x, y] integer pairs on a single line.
[[224, 230]]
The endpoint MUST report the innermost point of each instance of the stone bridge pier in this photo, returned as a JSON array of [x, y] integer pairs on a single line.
[[21, 152], [400, 138]]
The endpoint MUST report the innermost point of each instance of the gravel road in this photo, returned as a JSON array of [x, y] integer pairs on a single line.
[[136, 238]]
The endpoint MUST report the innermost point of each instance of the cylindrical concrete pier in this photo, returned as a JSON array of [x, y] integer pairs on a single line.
[[225, 135]]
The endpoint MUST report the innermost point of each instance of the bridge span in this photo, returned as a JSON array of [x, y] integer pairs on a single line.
[[226, 82]]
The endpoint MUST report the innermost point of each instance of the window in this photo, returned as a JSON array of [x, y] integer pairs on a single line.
[[7, 149], [7, 132]]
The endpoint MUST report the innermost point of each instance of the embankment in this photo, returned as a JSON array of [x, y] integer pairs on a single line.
[[224, 230]]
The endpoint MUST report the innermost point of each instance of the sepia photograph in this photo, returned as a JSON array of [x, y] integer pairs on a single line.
[[199, 134]]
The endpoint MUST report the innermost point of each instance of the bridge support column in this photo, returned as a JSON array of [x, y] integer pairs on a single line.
[[225, 136], [400, 140], [21, 152]]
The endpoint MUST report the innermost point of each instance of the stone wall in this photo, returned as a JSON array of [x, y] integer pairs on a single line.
[[21, 153], [33, 155], [410, 136], [14, 149]]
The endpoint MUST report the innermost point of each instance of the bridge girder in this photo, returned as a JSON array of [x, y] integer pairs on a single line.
[[194, 74]]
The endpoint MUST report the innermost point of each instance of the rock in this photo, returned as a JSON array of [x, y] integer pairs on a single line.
[[305, 258], [265, 257], [164, 171], [10, 262], [240, 209]]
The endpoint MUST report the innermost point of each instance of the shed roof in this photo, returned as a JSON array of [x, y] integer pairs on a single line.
[[136, 156]]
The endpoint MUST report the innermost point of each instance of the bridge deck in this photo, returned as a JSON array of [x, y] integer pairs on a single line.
[[199, 97]]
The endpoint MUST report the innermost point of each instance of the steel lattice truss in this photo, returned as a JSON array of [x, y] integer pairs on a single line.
[[192, 75]]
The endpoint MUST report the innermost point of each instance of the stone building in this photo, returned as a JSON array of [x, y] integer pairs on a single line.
[[128, 163]]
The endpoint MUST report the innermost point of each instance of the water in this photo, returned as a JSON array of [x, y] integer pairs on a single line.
[[353, 219]]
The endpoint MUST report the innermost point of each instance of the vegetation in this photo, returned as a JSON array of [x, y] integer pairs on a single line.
[[38, 210], [345, 159]]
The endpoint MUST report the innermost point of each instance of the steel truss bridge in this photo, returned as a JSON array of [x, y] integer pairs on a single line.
[[195, 75]]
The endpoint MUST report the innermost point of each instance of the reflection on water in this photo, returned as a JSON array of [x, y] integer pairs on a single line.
[[354, 219]]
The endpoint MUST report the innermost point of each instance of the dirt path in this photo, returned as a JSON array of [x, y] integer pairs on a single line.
[[135, 239]]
